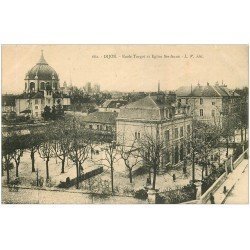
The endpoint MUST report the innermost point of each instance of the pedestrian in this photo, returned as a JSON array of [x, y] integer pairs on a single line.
[[211, 198], [174, 178]]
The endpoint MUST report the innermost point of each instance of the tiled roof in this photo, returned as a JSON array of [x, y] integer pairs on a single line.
[[112, 103], [205, 91], [101, 117], [147, 108]]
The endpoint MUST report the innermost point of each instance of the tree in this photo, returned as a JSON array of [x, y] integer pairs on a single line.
[[46, 113], [204, 138], [241, 108], [111, 156], [16, 156], [45, 151], [79, 148], [7, 164], [150, 147], [130, 156], [33, 142], [61, 142]]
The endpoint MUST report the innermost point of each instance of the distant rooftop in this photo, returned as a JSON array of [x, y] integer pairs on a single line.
[[205, 91]]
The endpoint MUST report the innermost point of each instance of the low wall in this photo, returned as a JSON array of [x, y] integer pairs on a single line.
[[240, 159], [205, 197]]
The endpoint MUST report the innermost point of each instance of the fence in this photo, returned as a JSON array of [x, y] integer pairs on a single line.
[[69, 183]]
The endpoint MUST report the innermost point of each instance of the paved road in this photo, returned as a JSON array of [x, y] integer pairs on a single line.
[[232, 180], [239, 194], [34, 196]]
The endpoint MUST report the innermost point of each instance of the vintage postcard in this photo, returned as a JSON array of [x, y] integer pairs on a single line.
[[124, 124]]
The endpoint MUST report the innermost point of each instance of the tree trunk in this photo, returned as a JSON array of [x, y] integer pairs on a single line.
[[149, 175], [193, 168], [32, 156], [206, 170], [245, 134], [63, 163], [17, 166], [202, 173], [241, 134], [112, 179], [227, 145], [47, 169], [77, 175], [130, 175], [2, 170], [154, 177], [7, 164]]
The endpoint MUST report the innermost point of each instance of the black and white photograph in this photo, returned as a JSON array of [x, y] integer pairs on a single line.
[[124, 124]]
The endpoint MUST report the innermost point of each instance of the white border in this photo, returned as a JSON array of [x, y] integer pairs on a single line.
[[124, 227]]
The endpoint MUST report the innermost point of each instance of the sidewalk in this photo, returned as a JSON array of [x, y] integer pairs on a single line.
[[232, 178]]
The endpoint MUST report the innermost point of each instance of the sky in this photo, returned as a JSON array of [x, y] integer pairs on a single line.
[[130, 67]]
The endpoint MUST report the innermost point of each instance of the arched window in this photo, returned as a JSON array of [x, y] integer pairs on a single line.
[[32, 86], [181, 152], [55, 85], [48, 86], [176, 154], [42, 86], [167, 157]]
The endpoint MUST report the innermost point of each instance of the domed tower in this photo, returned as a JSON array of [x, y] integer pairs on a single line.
[[41, 77]]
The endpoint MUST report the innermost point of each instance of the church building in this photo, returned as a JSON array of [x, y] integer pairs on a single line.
[[42, 88]]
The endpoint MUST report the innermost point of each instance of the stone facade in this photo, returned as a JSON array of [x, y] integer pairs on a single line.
[[153, 116], [42, 89], [208, 103]]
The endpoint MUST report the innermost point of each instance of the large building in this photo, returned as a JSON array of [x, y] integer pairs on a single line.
[[157, 115], [209, 102], [42, 88]]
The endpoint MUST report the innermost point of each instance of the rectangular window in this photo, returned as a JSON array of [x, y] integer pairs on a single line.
[[201, 101], [167, 135], [213, 103], [201, 112], [213, 112], [176, 135], [135, 135], [188, 129], [187, 101], [101, 127], [167, 113], [181, 132], [36, 114], [139, 135], [36, 101], [98, 127], [90, 126]]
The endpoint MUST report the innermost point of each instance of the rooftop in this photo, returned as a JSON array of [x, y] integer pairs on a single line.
[[205, 91]]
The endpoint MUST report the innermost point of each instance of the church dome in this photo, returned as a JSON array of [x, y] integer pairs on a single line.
[[42, 71]]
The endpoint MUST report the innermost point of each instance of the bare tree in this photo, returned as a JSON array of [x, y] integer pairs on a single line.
[[151, 151], [45, 151], [79, 149], [7, 164], [61, 143], [110, 157], [16, 156], [33, 144], [130, 156]]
